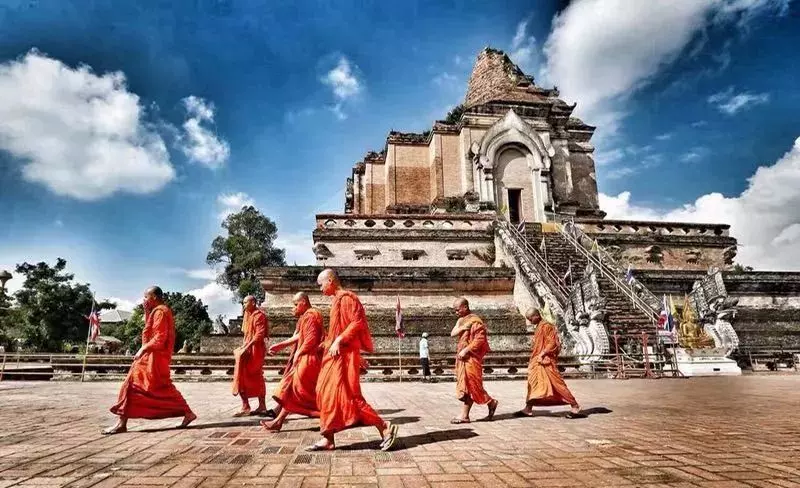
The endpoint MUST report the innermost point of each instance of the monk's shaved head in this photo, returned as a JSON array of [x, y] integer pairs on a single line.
[[301, 303], [156, 292], [301, 296], [249, 303], [461, 306], [328, 282], [533, 314], [327, 274]]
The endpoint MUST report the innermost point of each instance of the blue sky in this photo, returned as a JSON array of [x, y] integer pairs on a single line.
[[128, 128]]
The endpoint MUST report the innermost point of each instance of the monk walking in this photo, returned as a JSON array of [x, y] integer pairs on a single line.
[[473, 344], [297, 391], [248, 373], [341, 404], [148, 392], [545, 384]]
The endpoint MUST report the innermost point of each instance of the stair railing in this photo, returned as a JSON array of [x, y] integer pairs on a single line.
[[641, 298], [552, 280]]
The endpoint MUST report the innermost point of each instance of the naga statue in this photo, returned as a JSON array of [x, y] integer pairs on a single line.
[[716, 310], [586, 318]]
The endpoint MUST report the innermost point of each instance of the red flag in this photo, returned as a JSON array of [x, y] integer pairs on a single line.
[[398, 320], [94, 324]]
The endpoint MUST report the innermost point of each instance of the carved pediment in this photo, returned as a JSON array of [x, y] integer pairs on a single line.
[[412, 254], [456, 254], [321, 251], [365, 254]]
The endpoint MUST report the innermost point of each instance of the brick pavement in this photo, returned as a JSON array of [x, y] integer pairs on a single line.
[[702, 432]]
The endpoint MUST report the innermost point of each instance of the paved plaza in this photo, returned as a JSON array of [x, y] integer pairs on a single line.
[[703, 432]]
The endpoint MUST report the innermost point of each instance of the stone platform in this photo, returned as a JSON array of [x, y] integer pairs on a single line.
[[701, 432]]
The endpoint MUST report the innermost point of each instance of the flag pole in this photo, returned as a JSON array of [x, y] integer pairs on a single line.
[[88, 335], [399, 358]]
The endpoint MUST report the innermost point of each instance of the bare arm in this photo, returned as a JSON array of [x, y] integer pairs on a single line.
[[458, 329]]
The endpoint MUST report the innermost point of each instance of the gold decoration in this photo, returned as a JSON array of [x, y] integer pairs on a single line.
[[691, 334]]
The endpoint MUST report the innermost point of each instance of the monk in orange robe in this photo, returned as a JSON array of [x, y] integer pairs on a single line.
[[148, 392], [339, 399], [297, 391], [545, 384], [473, 344], [248, 373]]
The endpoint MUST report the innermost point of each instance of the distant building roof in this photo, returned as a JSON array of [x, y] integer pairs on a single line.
[[114, 316]]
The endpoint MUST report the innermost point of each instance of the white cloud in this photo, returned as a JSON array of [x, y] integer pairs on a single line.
[[599, 52], [693, 155], [298, 248], [79, 134], [219, 300], [344, 83], [337, 111], [343, 80], [201, 274], [199, 143], [524, 50], [230, 203], [122, 304], [609, 157], [765, 218], [730, 103], [446, 79], [664, 137]]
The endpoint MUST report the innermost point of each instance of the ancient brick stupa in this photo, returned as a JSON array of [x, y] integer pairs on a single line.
[[500, 204]]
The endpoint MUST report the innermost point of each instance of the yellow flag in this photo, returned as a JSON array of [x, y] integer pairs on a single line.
[[595, 247], [673, 310]]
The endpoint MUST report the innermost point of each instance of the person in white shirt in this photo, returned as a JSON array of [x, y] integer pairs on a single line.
[[424, 357]]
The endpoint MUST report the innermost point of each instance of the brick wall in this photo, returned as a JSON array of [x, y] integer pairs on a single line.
[[408, 179], [451, 165]]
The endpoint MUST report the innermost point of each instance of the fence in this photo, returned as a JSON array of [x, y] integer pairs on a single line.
[[511, 365]]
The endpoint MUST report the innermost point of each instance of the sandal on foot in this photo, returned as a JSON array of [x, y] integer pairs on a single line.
[[459, 421], [113, 430], [391, 439], [317, 447], [242, 413], [522, 414], [492, 410]]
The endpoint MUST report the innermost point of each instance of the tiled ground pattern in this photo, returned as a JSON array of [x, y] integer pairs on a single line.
[[703, 432]]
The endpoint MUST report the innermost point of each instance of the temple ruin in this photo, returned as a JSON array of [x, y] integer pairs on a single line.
[[500, 204]]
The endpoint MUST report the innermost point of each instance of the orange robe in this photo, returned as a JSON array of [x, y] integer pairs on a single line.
[[297, 391], [341, 404], [545, 384], [469, 371], [148, 392], [248, 373]]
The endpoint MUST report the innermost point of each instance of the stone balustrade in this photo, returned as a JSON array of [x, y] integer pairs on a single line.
[[606, 226], [437, 222]]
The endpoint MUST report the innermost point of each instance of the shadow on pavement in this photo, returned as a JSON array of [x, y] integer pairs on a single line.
[[403, 420], [585, 413], [408, 442]]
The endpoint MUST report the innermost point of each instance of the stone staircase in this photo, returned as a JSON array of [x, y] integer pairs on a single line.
[[623, 316]]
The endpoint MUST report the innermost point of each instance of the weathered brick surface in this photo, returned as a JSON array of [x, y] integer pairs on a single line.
[[665, 433]]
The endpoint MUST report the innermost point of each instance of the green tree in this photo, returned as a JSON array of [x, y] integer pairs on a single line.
[[191, 322], [248, 247], [52, 307], [454, 116]]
